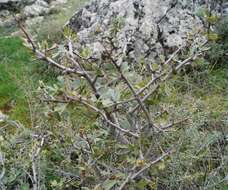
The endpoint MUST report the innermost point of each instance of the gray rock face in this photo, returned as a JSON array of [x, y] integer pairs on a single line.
[[149, 27], [14, 4], [38, 8]]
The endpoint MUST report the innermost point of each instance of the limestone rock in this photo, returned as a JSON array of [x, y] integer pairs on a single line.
[[39, 8], [14, 4], [34, 21], [4, 13], [58, 2], [30, 10], [149, 26]]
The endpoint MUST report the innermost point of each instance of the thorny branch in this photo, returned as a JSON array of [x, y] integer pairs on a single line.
[[80, 70], [34, 158], [134, 175]]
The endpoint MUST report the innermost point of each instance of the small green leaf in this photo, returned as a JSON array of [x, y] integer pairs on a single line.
[[213, 37], [106, 102], [76, 83], [25, 186], [86, 52], [109, 184], [155, 66], [161, 166], [141, 185], [61, 80], [212, 19], [124, 67], [54, 183]]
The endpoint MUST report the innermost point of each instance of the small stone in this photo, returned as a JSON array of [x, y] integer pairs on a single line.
[[3, 117], [4, 13], [58, 2], [39, 8]]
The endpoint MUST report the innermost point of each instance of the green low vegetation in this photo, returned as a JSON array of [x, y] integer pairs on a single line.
[[16, 68], [51, 28]]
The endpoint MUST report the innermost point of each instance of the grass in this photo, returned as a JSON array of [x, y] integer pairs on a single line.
[[51, 28], [13, 60], [211, 87], [19, 76]]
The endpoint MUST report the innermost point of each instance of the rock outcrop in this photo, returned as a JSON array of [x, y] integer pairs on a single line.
[[149, 28], [14, 5]]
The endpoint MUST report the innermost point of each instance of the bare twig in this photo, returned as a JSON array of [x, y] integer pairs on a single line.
[[132, 176], [174, 123], [2, 174], [42, 55], [35, 156]]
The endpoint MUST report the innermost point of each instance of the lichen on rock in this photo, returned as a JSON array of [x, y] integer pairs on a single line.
[[149, 27]]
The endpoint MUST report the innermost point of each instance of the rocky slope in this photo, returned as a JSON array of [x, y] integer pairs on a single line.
[[149, 27], [27, 9]]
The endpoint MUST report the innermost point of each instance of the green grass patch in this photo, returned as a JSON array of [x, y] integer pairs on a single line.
[[51, 28], [199, 94], [19, 76], [13, 58]]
